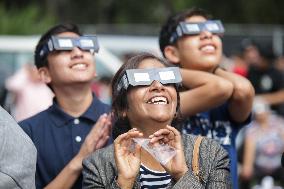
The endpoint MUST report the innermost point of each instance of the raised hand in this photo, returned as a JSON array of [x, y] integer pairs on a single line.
[[127, 157], [176, 167], [97, 137]]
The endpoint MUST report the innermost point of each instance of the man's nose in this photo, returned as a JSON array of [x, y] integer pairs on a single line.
[[76, 52], [206, 34]]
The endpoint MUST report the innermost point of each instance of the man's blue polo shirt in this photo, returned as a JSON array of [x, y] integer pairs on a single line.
[[58, 138], [218, 125]]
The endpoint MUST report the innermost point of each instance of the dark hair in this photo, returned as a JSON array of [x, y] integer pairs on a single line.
[[119, 95], [265, 49], [171, 24], [41, 61]]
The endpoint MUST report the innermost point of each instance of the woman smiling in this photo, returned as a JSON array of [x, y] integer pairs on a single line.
[[146, 108]]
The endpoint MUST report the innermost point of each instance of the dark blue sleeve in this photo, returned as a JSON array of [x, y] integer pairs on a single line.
[[223, 113]]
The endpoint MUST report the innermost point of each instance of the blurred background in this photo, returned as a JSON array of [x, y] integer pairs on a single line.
[[253, 38]]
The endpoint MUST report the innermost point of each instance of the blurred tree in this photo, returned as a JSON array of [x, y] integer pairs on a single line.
[[149, 11], [26, 20], [129, 11]]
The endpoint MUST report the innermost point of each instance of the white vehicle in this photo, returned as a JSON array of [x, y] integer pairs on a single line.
[[122, 45], [18, 50]]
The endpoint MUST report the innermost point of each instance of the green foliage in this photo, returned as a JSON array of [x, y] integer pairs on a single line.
[[24, 21], [27, 16]]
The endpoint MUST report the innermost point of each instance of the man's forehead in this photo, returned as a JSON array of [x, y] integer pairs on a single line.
[[196, 18]]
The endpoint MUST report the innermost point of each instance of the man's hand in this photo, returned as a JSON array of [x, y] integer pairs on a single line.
[[96, 139]]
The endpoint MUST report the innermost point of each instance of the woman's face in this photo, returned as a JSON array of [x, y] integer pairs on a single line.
[[155, 103]]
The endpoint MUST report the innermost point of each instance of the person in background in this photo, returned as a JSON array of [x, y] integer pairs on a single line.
[[101, 88], [145, 107], [192, 41], [268, 81], [31, 95], [17, 155], [263, 146], [77, 123]]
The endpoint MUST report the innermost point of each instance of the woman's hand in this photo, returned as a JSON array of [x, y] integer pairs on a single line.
[[176, 167], [127, 157]]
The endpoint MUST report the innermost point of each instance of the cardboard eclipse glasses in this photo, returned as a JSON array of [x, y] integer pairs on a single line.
[[56, 43], [193, 28], [145, 77]]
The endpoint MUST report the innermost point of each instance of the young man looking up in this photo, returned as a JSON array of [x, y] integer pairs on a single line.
[[76, 124], [198, 46]]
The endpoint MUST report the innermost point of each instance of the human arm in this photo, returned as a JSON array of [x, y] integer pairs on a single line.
[[273, 98], [96, 139], [204, 91], [248, 157], [241, 100]]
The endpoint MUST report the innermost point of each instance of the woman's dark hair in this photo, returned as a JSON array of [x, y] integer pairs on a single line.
[[41, 61], [119, 95], [171, 24]]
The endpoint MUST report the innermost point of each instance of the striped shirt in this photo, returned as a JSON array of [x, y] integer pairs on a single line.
[[151, 179]]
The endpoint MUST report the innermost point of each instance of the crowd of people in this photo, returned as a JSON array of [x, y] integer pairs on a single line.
[[160, 122]]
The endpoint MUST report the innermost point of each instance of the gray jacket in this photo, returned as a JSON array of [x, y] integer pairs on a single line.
[[99, 169], [17, 155]]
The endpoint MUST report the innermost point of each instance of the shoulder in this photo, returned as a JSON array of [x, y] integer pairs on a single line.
[[5, 118], [30, 124], [100, 105], [98, 108], [10, 130], [214, 162], [39, 117], [14, 143], [206, 143], [101, 156], [209, 149]]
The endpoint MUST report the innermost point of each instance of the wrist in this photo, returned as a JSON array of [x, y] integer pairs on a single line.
[[177, 176], [125, 183], [215, 69], [76, 163], [218, 67]]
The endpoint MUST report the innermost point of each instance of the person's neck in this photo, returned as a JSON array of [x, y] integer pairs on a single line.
[[74, 100]]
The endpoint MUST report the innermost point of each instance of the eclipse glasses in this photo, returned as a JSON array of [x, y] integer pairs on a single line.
[[145, 77], [193, 28], [56, 43]]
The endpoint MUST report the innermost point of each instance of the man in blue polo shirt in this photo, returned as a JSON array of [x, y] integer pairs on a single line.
[[76, 124]]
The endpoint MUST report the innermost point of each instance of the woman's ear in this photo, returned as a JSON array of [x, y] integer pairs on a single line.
[[172, 54], [44, 75]]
